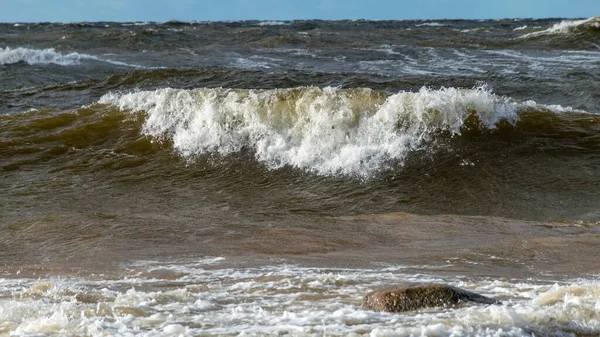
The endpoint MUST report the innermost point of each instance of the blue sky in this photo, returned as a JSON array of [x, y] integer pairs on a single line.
[[162, 10]]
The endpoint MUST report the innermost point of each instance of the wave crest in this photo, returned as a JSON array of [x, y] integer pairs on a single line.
[[326, 131], [568, 26], [50, 56], [36, 56]]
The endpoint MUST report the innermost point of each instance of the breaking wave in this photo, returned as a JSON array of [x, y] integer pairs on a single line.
[[568, 26], [50, 56], [327, 131]]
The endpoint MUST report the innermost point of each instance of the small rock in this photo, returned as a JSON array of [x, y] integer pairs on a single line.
[[419, 296]]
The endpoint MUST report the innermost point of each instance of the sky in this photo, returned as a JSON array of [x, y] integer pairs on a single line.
[[219, 10]]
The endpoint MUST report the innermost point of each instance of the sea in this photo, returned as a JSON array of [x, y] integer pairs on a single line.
[[258, 178]]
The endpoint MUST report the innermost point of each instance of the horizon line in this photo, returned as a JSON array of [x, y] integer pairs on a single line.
[[292, 20]]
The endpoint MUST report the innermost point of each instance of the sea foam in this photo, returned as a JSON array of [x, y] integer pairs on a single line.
[[285, 299], [328, 131]]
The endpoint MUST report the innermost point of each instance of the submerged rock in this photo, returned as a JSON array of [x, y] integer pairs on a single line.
[[419, 296]]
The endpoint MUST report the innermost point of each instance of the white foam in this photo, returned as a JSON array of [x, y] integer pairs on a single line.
[[327, 131], [430, 24], [48, 56], [285, 299], [35, 56], [566, 26]]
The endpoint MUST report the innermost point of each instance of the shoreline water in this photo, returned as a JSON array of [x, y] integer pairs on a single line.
[[205, 298]]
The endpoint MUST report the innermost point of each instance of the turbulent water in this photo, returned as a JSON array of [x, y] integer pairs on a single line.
[[259, 178]]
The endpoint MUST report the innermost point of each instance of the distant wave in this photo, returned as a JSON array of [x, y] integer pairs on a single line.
[[430, 24], [568, 26], [326, 131], [137, 23], [50, 56], [273, 23]]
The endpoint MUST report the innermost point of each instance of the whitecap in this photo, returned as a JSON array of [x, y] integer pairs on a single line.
[[566, 26], [430, 24], [51, 56]]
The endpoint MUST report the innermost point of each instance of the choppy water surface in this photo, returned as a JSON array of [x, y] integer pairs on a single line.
[[258, 178]]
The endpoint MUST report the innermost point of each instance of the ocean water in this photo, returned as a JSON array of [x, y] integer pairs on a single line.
[[260, 177]]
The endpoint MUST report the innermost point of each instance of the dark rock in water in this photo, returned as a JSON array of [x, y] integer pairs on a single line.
[[418, 296]]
